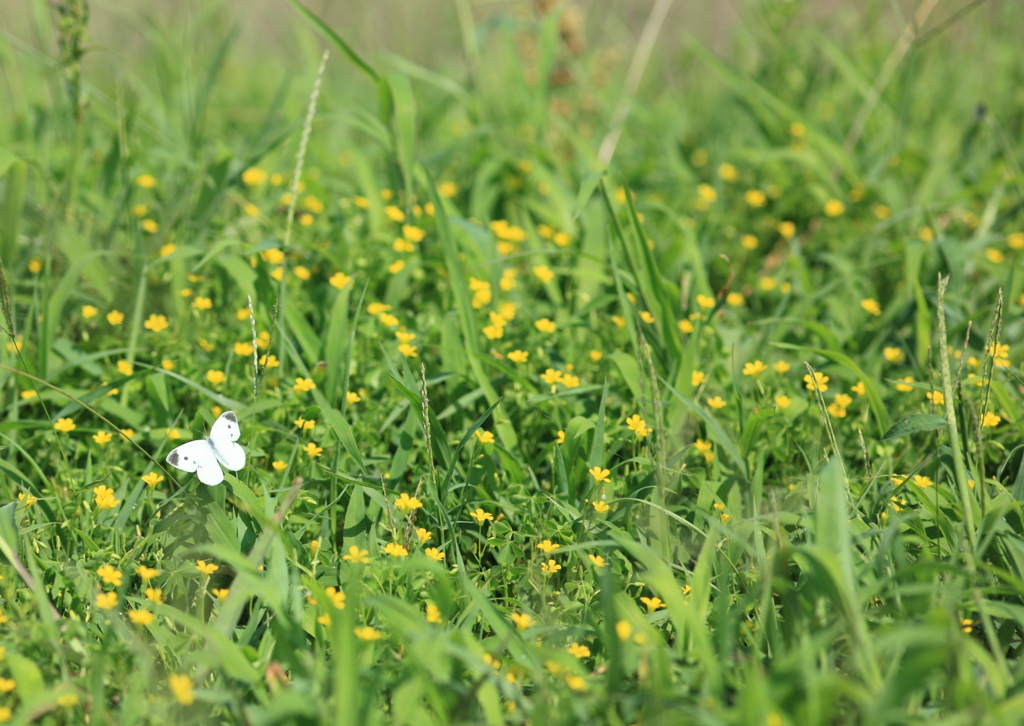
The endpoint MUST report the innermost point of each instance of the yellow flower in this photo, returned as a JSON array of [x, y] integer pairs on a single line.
[[303, 385], [141, 617], [519, 356], [782, 401], [786, 229], [893, 355], [409, 351], [339, 280], [407, 503], [570, 381], [395, 550], [646, 317], [550, 567], [705, 302], [394, 213], [397, 266], [146, 573], [165, 250], [115, 317], [754, 369], [547, 546], [150, 226], [619, 320], [102, 437], [146, 181], [599, 474], [104, 497], [106, 600], [579, 651], [493, 332], [991, 419], [29, 500], [481, 516], [652, 603], [312, 450], [269, 361], [601, 506], [152, 479], [423, 535], [560, 437], [484, 437], [754, 197], [903, 387], [215, 377], [367, 633], [817, 382], [871, 306], [434, 554], [64, 425], [66, 700], [155, 595], [447, 189], [623, 630], [638, 426], [836, 410], [551, 376], [202, 303], [922, 481], [545, 325], [405, 336], [734, 299], [748, 242], [995, 256], [206, 568], [936, 397], [433, 613], [88, 311], [110, 575], [243, 348], [834, 207], [181, 688], [356, 556], [254, 176], [156, 323], [352, 397], [221, 593], [543, 273], [716, 402], [522, 620], [727, 172], [598, 560]]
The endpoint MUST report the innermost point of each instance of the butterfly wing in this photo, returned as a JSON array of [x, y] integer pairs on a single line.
[[223, 435], [198, 456]]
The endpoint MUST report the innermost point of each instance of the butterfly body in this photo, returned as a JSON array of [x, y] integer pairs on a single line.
[[206, 456]]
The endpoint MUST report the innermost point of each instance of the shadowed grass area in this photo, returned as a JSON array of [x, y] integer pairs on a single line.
[[581, 377]]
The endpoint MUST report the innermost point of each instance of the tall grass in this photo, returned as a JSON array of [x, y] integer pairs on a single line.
[[726, 430]]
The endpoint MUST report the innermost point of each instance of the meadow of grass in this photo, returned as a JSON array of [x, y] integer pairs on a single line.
[[716, 421]]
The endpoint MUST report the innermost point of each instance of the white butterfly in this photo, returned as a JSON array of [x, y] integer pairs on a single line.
[[206, 456]]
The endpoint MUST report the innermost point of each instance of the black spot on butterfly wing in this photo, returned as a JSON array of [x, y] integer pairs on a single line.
[[230, 416]]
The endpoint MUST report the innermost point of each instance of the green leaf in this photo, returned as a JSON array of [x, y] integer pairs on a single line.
[[914, 423], [337, 41]]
